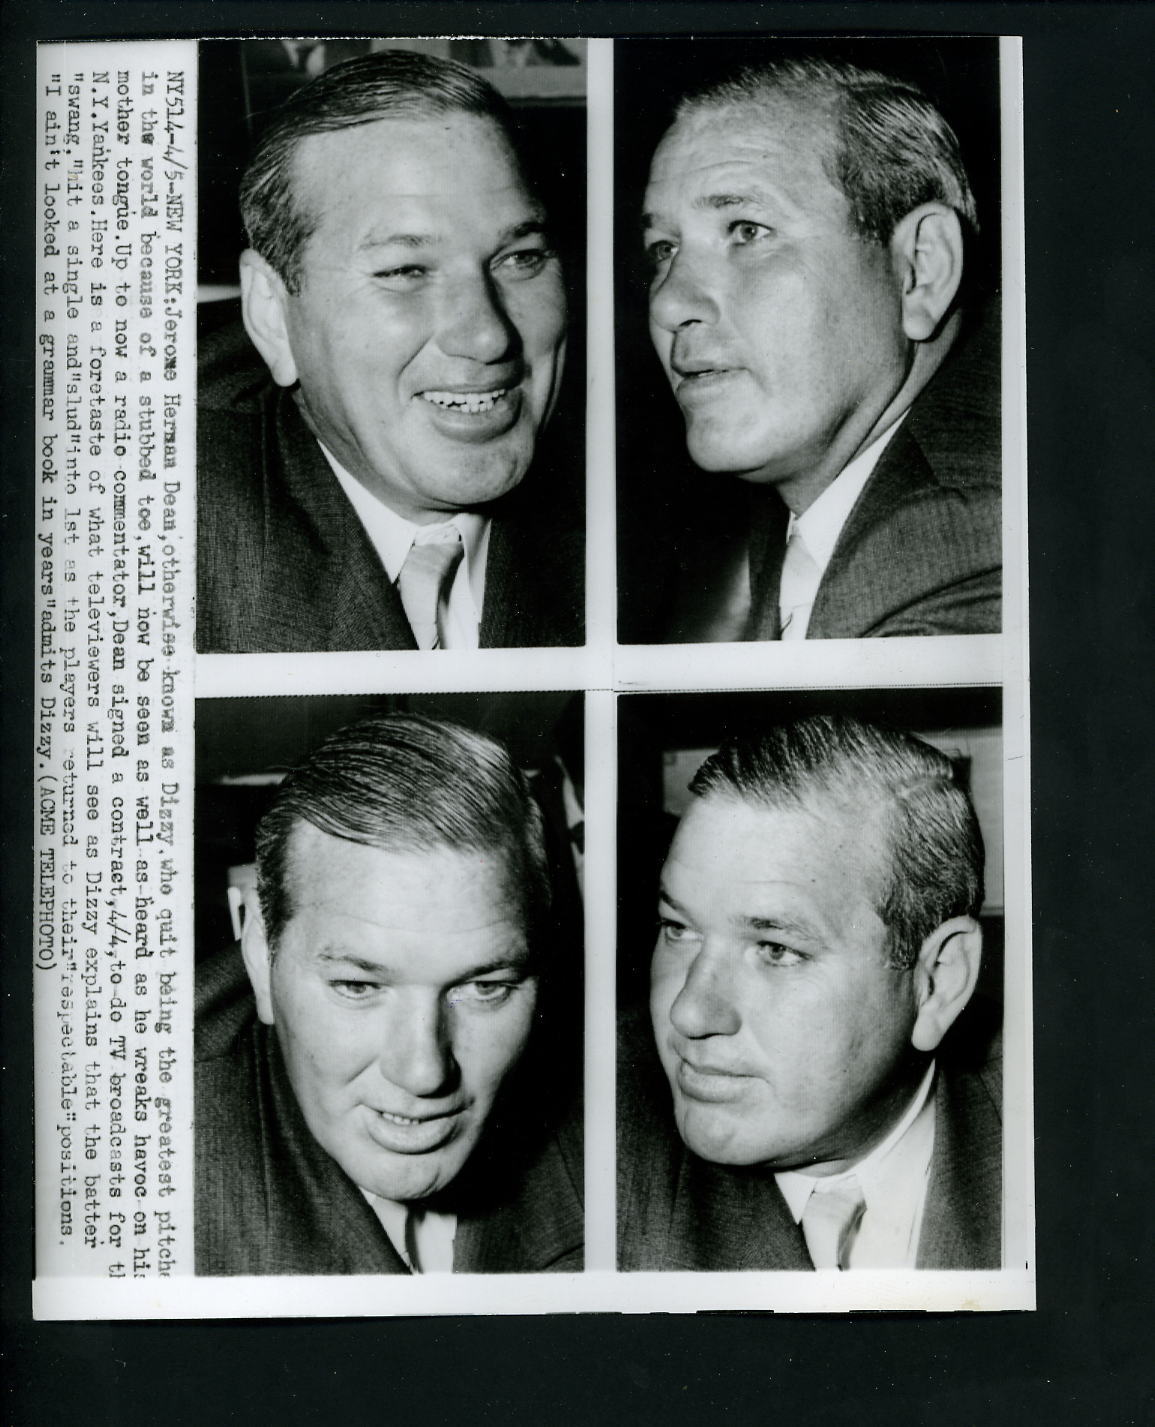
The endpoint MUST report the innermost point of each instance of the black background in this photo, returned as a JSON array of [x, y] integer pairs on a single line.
[[1084, 1357]]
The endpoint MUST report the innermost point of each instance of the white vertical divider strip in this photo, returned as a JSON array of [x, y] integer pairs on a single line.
[[600, 711], [601, 943], [601, 548], [1018, 1158]]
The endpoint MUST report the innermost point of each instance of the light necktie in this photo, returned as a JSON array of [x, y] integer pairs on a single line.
[[425, 581], [797, 587], [414, 1215], [830, 1223]]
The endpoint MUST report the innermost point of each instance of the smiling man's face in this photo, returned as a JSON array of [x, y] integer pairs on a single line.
[[779, 327], [402, 995], [428, 329]]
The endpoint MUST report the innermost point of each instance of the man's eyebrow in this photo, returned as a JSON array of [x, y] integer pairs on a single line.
[[350, 958], [671, 902], [399, 240], [714, 202], [520, 960], [790, 925], [528, 228]]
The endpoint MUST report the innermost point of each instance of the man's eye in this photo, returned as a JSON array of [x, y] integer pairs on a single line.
[[773, 953], [524, 262], [483, 993], [407, 276], [659, 253], [744, 232], [673, 932], [354, 990]]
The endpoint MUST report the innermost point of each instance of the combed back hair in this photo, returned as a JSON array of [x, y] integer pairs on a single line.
[[931, 859], [403, 783], [892, 150], [391, 84]]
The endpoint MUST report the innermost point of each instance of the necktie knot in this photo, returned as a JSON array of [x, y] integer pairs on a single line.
[[425, 581], [830, 1223]]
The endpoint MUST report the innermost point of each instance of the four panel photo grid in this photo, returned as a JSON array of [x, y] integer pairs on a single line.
[[644, 899]]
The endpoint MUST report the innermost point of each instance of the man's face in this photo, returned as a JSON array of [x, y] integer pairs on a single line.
[[402, 995], [783, 1032], [428, 331], [780, 329]]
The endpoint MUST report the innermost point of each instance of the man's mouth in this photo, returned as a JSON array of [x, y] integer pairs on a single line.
[[473, 403], [409, 1134], [707, 1082], [397, 1119]]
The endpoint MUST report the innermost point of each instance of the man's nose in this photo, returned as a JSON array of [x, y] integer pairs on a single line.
[[475, 323], [416, 1047], [707, 1004], [687, 293]]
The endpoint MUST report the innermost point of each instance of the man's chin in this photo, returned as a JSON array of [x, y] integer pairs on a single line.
[[413, 1181], [718, 1139], [478, 479]]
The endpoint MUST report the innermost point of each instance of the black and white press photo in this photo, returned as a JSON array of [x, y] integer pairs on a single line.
[[533, 724], [810, 1064], [808, 364], [388, 1025], [389, 451]]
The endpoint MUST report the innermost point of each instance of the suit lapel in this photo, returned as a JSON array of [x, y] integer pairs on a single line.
[[356, 606], [848, 606], [962, 1225], [769, 519], [316, 1218], [729, 1219], [534, 579]]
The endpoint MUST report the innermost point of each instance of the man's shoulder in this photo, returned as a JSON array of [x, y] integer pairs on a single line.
[[957, 419], [962, 1224], [231, 377], [224, 1009]]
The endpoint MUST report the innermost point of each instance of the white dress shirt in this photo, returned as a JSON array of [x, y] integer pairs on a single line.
[[433, 1233], [820, 525], [893, 1178], [392, 536]]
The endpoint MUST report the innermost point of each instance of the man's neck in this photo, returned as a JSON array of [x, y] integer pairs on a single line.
[[800, 491]]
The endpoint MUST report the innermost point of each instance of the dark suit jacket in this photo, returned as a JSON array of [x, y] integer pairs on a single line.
[[284, 564], [675, 1211], [270, 1200], [921, 552]]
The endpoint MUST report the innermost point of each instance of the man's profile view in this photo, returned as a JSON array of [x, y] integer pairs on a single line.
[[807, 225], [365, 1101], [402, 291], [812, 1105]]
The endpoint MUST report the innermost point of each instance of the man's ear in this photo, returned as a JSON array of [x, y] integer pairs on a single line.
[[264, 299], [258, 956], [927, 251], [945, 975]]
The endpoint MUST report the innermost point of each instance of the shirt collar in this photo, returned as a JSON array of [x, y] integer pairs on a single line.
[[908, 1144], [393, 536], [820, 524], [393, 1217]]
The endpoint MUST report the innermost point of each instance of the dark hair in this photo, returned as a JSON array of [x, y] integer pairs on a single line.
[[932, 858], [387, 85], [892, 149], [404, 783]]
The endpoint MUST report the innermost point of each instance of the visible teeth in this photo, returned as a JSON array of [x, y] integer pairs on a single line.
[[398, 1119], [473, 402]]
